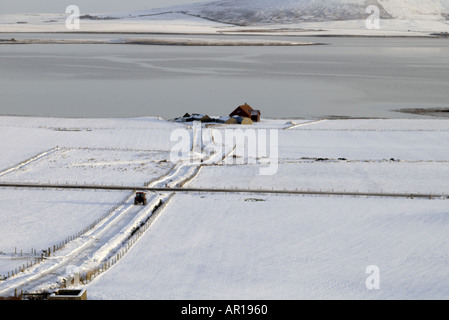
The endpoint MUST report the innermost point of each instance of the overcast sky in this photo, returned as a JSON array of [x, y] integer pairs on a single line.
[[86, 6]]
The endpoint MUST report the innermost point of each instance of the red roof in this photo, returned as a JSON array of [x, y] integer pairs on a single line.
[[243, 110]]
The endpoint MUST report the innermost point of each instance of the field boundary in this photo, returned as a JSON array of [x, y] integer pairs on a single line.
[[230, 190]]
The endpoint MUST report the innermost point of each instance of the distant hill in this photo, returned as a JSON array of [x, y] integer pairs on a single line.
[[254, 12]]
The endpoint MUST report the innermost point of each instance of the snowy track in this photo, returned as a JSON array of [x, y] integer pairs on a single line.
[[97, 245], [297, 125]]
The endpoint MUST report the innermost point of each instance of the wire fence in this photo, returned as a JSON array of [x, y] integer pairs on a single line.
[[37, 256], [26, 162], [88, 276]]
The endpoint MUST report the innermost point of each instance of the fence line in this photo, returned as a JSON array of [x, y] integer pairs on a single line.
[[29, 160], [379, 193], [38, 258], [115, 257]]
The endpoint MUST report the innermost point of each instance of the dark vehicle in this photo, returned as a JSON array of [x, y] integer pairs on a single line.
[[140, 198]]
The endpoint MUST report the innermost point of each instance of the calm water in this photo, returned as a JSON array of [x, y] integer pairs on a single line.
[[348, 77]]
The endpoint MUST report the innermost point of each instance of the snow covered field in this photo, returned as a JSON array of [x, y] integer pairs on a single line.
[[94, 166], [397, 156], [39, 219], [232, 246], [223, 247], [358, 176], [26, 137]]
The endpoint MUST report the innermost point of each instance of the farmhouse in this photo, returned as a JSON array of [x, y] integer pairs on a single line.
[[244, 114], [247, 112]]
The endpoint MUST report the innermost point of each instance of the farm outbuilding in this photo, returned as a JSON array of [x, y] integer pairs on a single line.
[[244, 114], [255, 115], [195, 117]]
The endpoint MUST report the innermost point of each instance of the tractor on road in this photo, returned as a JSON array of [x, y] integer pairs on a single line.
[[140, 198]]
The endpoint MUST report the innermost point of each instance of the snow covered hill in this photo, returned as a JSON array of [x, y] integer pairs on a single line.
[[298, 17], [250, 12]]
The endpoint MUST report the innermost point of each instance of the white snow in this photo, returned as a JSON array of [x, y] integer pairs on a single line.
[[223, 247], [364, 145], [282, 17], [231, 246], [38, 219], [275, 11], [171, 23], [26, 137], [416, 8], [350, 176], [392, 125], [94, 166]]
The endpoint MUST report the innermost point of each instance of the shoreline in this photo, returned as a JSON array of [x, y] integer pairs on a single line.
[[162, 42], [440, 113], [274, 33], [430, 114]]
